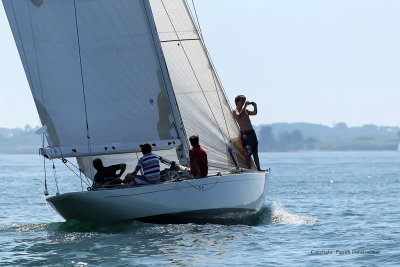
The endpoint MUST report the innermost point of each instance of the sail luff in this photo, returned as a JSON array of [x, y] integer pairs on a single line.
[[217, 81], [18, 41], [115, 58], [213, 69], [184, 158], [203, 103]]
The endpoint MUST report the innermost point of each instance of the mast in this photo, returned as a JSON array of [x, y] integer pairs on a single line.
[[183, 150]]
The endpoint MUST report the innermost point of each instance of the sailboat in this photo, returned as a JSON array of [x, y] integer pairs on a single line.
[[109, 76]]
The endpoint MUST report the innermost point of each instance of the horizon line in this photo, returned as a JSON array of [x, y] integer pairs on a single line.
[[254, 125]]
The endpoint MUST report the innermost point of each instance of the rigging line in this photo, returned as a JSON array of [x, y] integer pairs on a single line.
[[46, 192], [213, 70], [197, 19], [83, 90], [65, 161], [37, 63], [23, 49], [55, 177], [180, 40], [163, 65], [201, 187], [196, 92], [192, 68], [79, 176]]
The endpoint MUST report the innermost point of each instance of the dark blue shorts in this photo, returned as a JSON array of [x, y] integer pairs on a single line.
[[249, 142]]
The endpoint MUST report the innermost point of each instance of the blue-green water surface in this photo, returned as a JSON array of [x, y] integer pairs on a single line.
[[322, 209]]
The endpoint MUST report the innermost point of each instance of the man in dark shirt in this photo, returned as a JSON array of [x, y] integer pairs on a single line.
[[198, 158], [107, 175]]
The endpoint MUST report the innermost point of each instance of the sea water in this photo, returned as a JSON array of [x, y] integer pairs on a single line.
[[322, 209]]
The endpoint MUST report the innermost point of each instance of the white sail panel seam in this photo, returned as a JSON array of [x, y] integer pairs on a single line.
[[191, 66], [213, 70]]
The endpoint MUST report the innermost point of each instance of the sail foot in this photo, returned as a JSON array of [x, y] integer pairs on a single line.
[[116, 148]]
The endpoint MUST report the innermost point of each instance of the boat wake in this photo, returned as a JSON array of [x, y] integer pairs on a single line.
[[21, 228], [281, 216], [271, 214]]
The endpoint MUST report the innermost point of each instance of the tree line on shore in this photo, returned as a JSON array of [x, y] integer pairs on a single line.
[[280, 137], [276, 137]]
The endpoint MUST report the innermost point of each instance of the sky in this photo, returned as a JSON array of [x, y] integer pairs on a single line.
[[316, 61]]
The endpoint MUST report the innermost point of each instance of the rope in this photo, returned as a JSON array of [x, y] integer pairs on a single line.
[[29, 74], [193, 71], [213, 70], [55, 178], [80, 177], [197, 20], [201, 187], [46, 192], [83, 91], [47, 118], [217, 83], [65, 161], [181, 127]]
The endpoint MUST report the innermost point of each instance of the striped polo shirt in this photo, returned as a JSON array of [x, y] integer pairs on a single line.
[[150, 165]]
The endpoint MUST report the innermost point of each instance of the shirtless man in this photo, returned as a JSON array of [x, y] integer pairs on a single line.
[[247, 133]]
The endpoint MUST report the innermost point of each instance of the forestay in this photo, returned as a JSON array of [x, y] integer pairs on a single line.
[[95, 75], [202, 103]]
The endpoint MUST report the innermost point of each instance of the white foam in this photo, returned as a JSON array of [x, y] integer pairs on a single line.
[[281, 216]]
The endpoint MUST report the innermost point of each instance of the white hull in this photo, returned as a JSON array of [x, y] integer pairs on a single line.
[[230, 197]]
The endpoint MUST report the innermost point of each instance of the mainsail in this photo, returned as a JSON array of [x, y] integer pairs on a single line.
[[106, 76], [95, 75]]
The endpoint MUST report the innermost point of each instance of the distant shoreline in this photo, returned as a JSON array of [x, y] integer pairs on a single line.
[[265, 152], [276, 137]]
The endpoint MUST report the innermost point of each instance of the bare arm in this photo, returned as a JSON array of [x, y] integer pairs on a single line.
[[122, 167], [236, 113], [254, 111], [137, 169]]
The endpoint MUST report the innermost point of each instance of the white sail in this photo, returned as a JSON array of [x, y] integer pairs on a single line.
[[202, 103], [109, 75], [94, 73]]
